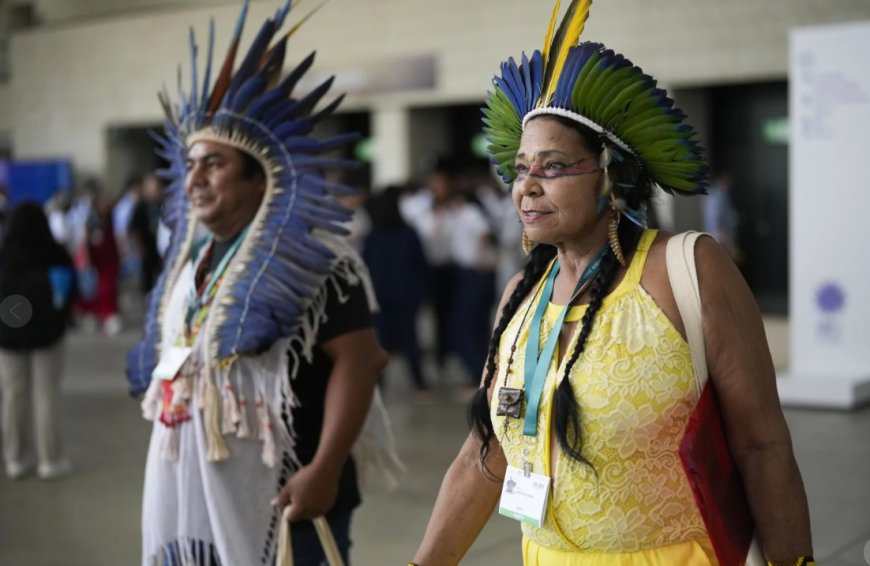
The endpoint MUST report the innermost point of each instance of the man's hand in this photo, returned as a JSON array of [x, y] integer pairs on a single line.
[[309, 493]]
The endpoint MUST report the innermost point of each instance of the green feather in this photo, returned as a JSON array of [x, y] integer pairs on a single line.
[[616, 106]]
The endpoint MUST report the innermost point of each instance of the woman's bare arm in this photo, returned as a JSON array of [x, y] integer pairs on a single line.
[[465, 503], [468, 494], [742, 371]]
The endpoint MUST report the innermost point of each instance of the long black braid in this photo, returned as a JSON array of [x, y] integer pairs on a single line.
[[566, 411], [479, 418], [631, 183]]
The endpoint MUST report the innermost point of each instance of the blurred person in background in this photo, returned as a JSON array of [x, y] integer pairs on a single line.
[[474, 251], [99, 255], [360, 223], [721, 219], [122, 214], [4, 207], [58, 208], [432, 213], [34, 266], [143, 231], [401, 277]]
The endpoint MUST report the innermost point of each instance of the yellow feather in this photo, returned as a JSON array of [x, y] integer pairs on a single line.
[[567, 37], [305, 19], [549, 38]]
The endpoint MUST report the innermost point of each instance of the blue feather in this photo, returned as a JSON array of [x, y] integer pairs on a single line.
[[527, 80], [248, 90], [281, 14], [252, 60], [265, 102], [207, 78], [328, 109], [194, 88]]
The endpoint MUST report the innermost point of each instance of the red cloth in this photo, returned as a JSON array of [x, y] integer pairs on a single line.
[[716, 482]]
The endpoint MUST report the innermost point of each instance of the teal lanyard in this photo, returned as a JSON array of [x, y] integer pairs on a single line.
[[198, 300], [536, 366]]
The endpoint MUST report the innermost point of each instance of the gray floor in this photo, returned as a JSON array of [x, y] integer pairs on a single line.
[[92, 517]]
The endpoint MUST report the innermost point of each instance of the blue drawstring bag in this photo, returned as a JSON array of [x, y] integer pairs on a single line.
[[87, 282], [61, 279]]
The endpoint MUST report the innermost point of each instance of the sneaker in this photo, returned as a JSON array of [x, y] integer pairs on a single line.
[[112, 325], [17, 470], [54, 471]]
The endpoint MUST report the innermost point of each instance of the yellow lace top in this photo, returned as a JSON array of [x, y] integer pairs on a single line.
[[635, 388]]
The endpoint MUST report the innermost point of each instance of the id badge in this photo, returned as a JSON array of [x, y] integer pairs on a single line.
[[171, 362], [510, 402], [524, 496]]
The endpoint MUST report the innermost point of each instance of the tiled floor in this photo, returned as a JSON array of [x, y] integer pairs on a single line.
[[92, 517]]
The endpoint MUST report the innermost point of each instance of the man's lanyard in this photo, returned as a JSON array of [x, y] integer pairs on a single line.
[[536, 366], [199, 298]]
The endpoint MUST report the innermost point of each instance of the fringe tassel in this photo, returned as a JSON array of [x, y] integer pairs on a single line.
[[264, 433], [217, 448], [243, 431], [268, 453], [151, 402], [375, 453], [169, 444], [230, 413], [202, 386]]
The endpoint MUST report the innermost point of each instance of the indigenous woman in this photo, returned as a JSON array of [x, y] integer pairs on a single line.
[[589, 384]]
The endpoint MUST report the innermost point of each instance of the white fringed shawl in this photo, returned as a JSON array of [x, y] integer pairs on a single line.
[[203, 499]]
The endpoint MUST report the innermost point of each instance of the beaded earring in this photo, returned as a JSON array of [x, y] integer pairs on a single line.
[[528, 244], [617, 205]]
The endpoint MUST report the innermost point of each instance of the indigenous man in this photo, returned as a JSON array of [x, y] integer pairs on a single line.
[[259, 360]]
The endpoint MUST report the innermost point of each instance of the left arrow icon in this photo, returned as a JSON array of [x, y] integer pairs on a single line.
[[15, 311]]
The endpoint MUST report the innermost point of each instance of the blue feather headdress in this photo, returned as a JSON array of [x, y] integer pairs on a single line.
[[280, 264], [600, 89]]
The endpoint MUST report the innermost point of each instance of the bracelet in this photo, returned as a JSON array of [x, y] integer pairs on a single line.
[[801, 561]]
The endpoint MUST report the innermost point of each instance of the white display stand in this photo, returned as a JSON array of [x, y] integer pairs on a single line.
[[829, 215]]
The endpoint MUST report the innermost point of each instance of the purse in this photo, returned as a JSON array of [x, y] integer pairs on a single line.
[[704, 452], [327, 541]]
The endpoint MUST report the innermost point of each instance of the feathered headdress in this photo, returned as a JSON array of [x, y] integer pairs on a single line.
[[601, 89], [253, 110]]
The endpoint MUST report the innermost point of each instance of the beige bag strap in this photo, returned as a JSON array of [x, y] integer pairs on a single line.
[[680, 257], [327, 541]]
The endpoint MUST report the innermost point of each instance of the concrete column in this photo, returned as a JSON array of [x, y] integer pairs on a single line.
[[391, 130], [680, 213]]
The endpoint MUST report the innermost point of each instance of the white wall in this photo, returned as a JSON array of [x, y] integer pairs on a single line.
[[70, 83]]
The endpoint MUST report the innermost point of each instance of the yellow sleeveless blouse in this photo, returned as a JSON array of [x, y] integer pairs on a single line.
[[635, 387]]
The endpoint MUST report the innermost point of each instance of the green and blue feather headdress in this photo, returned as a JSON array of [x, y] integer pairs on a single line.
[[600, 89], [281, 264]]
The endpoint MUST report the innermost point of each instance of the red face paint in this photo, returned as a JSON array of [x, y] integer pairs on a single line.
[[554, 170]]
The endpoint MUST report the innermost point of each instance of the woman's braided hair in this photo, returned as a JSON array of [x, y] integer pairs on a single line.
[[630, 182]]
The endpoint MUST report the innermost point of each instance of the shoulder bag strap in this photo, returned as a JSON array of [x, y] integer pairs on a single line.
[[680, 257], [327, 541]]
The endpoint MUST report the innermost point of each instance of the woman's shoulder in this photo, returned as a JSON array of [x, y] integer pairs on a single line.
[[712, 263], [707, 250]]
